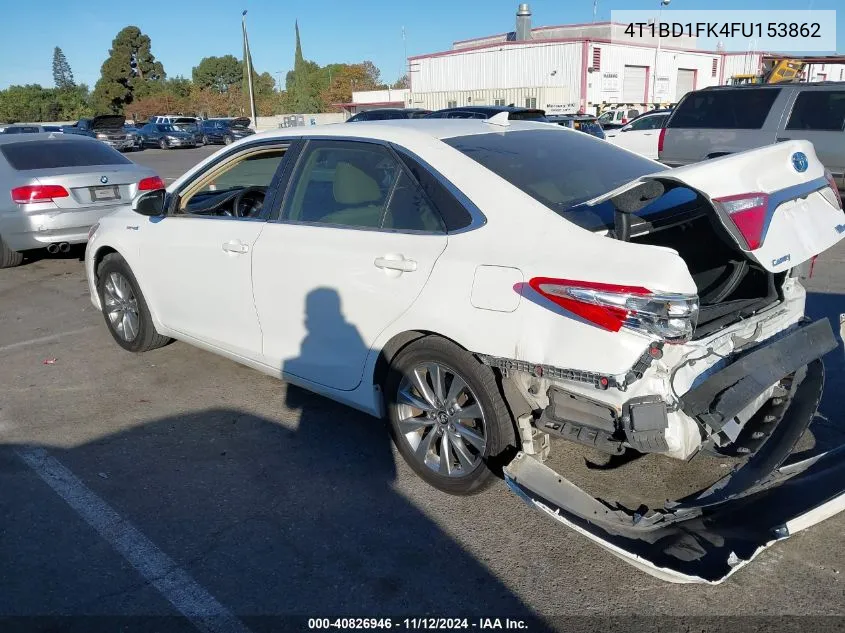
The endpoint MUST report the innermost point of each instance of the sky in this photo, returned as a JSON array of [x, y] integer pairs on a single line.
[[185, 31]]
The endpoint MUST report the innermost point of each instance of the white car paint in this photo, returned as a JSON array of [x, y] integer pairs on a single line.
[[261, 304], [639, 136]]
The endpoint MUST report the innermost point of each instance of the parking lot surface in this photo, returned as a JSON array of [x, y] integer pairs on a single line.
[[180, 483]]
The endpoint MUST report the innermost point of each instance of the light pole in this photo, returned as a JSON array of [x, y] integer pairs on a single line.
[[248, 64], [663, 3]]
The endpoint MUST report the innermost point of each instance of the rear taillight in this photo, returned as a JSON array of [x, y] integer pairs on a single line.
[[38, 193], [669, 316], [748, 213], [624, 121], [832, 182], [660, 139], [151, 184]]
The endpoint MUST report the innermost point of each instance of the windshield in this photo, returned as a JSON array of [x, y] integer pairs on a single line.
[[555, 167], [165, 128]]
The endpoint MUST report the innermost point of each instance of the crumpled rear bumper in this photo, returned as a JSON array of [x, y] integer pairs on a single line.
[[709, 535]]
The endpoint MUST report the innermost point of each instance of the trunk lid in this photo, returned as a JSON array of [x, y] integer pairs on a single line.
[[796, 213], [86, 187]]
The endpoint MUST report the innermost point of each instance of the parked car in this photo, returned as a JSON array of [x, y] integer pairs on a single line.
[[171, 119], [59, 186], [722, 120], [51, 128], [134, 134], [642, 134], [22, 129], [107, 128], [581, 122], [166, 136], [485, 286], [486, 112], [383, 114], [192, 128], [617, 117], [225, 131]]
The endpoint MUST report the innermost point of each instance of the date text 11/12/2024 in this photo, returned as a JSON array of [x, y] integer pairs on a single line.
[[413, 624]]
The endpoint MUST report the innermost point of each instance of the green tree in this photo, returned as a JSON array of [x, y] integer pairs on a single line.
[[304, 93], [217, 73], [130, 71], [179, 87], [62, 74], [402, 82]]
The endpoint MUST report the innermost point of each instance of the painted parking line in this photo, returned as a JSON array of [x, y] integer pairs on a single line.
[[47, 339], [161, 571]]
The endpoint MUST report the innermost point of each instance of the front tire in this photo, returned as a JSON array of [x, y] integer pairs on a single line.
[[162, 143], [124, 307], [228, 140], [8, 257], [447, 416], [205, 140]]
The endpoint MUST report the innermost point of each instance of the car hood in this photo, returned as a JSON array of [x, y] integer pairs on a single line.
[[108, 122]]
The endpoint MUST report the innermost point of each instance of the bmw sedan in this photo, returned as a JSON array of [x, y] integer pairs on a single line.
[[59, 185], [494, 295]]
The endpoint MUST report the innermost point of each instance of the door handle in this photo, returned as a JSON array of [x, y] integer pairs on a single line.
[[235, 247], [781, 139], [401, 264]]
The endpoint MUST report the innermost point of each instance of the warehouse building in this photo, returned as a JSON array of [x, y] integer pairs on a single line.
[[564, 69]]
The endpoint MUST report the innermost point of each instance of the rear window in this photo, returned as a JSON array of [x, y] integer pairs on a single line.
[[528, 115], [384, 115], [741, 109], [559, 169], [818, 110], [49, 154]]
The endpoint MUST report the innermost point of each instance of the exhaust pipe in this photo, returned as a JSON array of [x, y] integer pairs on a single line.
[[64, 247], [52, 249]]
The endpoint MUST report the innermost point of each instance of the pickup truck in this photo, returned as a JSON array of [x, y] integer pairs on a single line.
[[107, 128]]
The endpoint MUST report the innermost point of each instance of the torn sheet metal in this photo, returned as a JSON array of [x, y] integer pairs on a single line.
[[706, 537]]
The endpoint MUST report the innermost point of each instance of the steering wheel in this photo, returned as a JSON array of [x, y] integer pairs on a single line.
[[241, 208]]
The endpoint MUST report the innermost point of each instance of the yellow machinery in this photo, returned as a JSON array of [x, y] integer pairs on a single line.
[[774, 71]]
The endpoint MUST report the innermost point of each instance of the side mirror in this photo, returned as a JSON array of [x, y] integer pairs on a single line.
[[150, 203]]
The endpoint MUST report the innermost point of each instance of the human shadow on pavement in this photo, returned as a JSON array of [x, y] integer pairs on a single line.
[[279, 519]]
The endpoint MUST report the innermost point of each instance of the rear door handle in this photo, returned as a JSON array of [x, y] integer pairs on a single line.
[[235, 246], [781, 139], [401, 264]]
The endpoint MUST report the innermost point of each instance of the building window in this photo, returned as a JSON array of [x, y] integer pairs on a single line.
[[596, 58], [498, 102], [451, 104], [531, 102], [715, 65]]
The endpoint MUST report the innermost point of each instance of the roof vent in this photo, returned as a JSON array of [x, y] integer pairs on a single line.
[[523, 22]]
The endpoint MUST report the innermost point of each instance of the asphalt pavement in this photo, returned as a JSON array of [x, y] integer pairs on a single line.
[[178, 484]]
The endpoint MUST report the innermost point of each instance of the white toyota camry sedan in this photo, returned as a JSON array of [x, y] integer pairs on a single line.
[[491, 285]]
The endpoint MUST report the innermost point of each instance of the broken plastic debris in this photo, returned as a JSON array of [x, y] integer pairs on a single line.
[[733, 560], [50, 361], [103, 475]]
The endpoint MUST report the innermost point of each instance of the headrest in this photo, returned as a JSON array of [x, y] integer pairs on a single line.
[[353, 186]]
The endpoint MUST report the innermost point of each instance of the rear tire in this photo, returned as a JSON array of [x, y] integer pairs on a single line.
[[205, 140], [8, 257], [228, 140], [424, 421], [124, 307]]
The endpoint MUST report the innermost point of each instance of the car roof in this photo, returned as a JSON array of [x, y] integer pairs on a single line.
[[409, 130], [36, 136], [831, 85], [489, 108]]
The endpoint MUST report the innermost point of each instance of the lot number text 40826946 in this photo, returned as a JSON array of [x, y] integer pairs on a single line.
[[414, 624]]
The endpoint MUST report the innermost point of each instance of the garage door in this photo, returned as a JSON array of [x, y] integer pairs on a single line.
[[686, 83], [633, 84]]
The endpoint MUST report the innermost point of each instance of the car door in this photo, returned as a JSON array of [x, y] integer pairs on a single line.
[[818, 116], [640, 136], [352, 250], [197, 260]]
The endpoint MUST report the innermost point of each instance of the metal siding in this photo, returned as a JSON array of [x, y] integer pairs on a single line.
[[554, 99], [740, 65]]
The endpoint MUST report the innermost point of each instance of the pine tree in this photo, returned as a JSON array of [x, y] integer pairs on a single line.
[[304, 99], [62, 74], [130, 72]]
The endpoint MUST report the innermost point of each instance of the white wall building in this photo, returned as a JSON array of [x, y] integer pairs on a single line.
[[580, 66]]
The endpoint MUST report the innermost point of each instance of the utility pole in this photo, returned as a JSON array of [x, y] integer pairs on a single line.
[[248, 64], [595, 9], [279, 83], [663, 3]]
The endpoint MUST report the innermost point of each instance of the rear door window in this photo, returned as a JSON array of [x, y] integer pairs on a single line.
[[52, 154], [818, 110], [740, 109]]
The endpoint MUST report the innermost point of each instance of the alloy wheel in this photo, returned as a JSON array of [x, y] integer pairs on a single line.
[[121, 306], [441, 419]]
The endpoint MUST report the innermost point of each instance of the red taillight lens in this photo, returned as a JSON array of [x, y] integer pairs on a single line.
[[833, 186], [151, 184], [670, 316], [748, 212], [660, 139], [38, 193], [624, 121]]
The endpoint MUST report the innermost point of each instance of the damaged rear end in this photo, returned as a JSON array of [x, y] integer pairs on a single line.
[[733, 370]]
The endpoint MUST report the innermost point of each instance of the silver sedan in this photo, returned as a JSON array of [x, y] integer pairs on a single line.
[[59, 187]]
